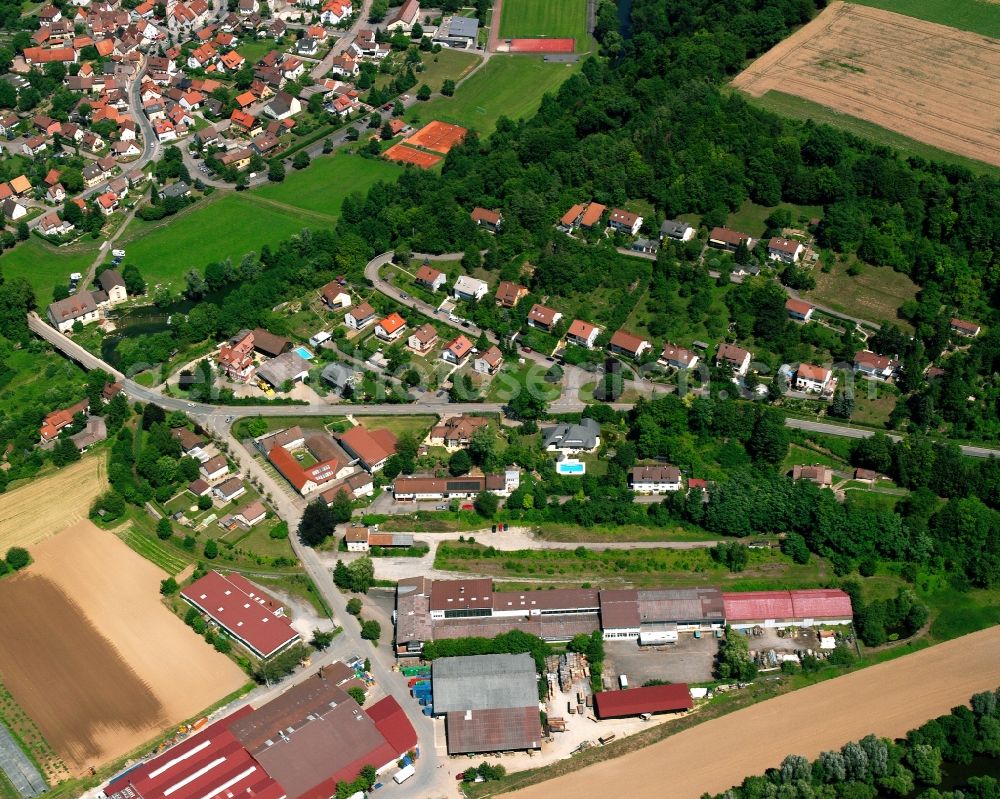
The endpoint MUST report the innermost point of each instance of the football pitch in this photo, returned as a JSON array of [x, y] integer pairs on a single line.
[[549, 18]]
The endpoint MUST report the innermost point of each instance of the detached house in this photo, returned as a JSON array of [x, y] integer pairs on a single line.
[[675, 357], [457, 350], [113, 284], [799, 309], [725, 239], [391, 327], [733, 357], [581, 215], [543, 318], [624, 221], [676, 231], [583, 334], [509, 294], [655, 479], [423, 338], [966, 329], [359, 317], [334, 296], [489, 362], [470, 288], [869, 364], [820, 475], [787, 251], [809, 377], [491, 220], [625, 343], [404, 17], [82, 308], [430, 278]]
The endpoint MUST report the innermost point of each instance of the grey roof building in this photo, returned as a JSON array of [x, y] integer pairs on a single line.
[[287, 366], [672, 229], [483, 682], [584, 436], [458, 32], [338, 375], [178, 189]]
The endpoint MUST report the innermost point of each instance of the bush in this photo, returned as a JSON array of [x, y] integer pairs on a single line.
[[164, 529], [354, 606], [211, 549], [371, 630], [169, 587], [279, 532], [17, 558], [357, 693]]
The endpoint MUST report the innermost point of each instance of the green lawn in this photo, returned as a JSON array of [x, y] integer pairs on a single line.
[[978, 16], [255, 49], [875, 294], [511, 86], [224, 226], [448, 63], [788, 106], [549, 18], [750, 217], [45, 266], [419, 425], [514, 378], [320, 189]]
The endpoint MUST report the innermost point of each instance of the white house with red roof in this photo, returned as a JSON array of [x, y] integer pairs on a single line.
[[812, 378], [583, 334], [391, 327], [799, 309]]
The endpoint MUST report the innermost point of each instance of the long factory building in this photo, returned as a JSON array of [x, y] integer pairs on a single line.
[[428, 610]]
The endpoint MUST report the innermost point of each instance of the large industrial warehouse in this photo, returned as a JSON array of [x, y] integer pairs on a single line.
[[297, 746], [490, 702], [428, 610]]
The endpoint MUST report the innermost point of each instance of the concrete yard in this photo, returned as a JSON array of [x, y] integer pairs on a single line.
[[689, 660]]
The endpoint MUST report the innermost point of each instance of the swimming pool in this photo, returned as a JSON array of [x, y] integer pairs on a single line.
[[571, 467], [302, 352]]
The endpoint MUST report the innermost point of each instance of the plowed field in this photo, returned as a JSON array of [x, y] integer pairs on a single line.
[[92, 655], [933, 83]]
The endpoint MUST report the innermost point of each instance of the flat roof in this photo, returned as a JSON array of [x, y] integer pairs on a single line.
[[496, 730], [462, 594], [480, 682], [681, 604], [243, 610], [633, 701]]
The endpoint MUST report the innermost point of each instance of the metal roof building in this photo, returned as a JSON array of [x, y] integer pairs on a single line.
[[634, 701]]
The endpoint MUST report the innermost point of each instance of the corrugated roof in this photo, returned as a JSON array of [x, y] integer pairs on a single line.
[[496, 730], [481, 682], [820, 603], [633, 701]]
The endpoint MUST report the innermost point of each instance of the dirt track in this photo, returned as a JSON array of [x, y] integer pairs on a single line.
[[91, 654], [887, 700], [930, 82], [44, 507]]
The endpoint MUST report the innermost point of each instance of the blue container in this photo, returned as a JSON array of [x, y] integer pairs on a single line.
[[428, 711]]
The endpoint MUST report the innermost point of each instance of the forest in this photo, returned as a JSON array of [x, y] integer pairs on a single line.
[[912, 766]]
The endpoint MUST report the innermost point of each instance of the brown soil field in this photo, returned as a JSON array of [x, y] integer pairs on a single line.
[[887, 699], [94, 657], [933, 83], [44, 507]]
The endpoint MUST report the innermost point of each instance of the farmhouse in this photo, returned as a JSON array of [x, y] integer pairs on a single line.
[[655, 479], [787, 251], [626, 343], [331, 463], [244, 611], [359, 484], [371, 448], [809, 377], [729, 240], [799, 309], [404, 17], [509, 294], [677, 357], [820, 475], [431, 278], [734, 357]]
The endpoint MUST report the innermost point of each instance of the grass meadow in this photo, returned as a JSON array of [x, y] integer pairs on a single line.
[[45, 266], [549, 18], [978, 16]]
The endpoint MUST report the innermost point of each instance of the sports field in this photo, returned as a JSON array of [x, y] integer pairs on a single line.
[[45, 266], [438, 137], [94, 657], [509, 85], [402, 154], [28, 514], [550, 18], [887, 699], [934, 84], [978, 16]]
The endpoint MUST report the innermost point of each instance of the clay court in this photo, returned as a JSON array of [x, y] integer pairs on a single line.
[[93, 656], [437, 136], [43, 507], [541, 46], [888, 700], [402, 154], [933, 83]]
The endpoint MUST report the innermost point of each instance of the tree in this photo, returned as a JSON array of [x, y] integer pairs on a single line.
[[486, 504], [424, 92], [371, 630], [257, 427], [134, 283], [448, 87], [357, 693], [459, 463], [354, 606], [341, 575], [169, 587], [317, 523], [23, 231], [211, 549], [362, 574], [276, 171], [204, 502], [342, 508], [386, 132], [65, 452], [301, 160], [17, 558], [322, 639], [164, 529]]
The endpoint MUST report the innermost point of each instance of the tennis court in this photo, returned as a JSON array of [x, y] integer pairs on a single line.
[[402, 154], [437, 136], [542, 45]]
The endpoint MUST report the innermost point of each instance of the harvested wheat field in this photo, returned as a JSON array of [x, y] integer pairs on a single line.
[[92, 655], [933, 83], [887, 699], [44, 507]]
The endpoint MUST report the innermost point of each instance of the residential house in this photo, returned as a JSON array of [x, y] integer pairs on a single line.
[[581, 215], [230, 489], [107, 202], [485, 218], [56, 193], [214, 468], [334, 296], [583, 334], [423, 338], [509, 294], [809, 377], [341, 376], [457, 350], [655, 479], [675, 357], [52, 225], [966, 329], [113, 284], [729, 240], [33, 145], [625, 343], [307, 46], [543, 318], [8, 123], [820, 475], [489, 362], [20, 185], [429, 277], [456, 431], [676, 231], [14, 210], [344, 66], [570, 439], [250, 514], [292, 68], [869, 364], [55, 421], [232, 62], [470, 288], [799, 309], [283, 106], [359, 317], [624, 221], [391, 327], [235, 358], [372, 448], [788, 251], [404, 17], [736, 358], [81, 307]]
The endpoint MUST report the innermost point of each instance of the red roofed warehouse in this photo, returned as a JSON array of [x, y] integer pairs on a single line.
[[244, 611], [635, 701], [802, 608]]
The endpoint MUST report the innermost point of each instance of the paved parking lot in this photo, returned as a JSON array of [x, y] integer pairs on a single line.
[[690, 660]]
